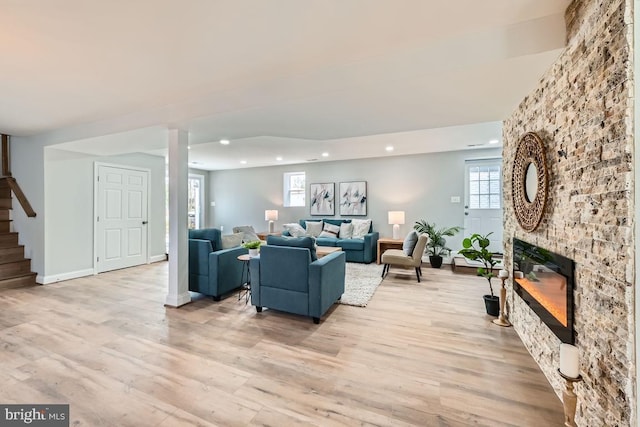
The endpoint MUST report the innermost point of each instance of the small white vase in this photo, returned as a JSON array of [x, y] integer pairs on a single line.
[[253, 252]]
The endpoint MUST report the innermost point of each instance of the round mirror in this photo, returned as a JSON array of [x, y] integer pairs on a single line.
[[531, 182]]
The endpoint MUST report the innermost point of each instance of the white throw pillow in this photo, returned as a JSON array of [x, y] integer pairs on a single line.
[[231, 240], [330, 230], [360, 227], [314, 228], [295, 229], [346, 230]]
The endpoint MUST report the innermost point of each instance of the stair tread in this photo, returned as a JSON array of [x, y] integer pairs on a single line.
[[23, 281], [15, 260], [17, 275]]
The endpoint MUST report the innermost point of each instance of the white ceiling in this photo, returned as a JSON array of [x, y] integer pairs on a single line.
[[284, 77]]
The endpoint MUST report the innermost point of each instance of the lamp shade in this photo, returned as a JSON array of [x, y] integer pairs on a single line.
[[396, 217], [271, 215]]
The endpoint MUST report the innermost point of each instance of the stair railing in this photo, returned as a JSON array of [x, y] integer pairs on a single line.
[[11, 181]]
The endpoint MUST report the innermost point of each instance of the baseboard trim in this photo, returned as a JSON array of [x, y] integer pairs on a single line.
[[157, 258], [179, 300], [45, 280]]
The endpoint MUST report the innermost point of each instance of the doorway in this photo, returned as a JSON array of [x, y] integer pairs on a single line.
[[195, 204], [121, 205], [483, 200]]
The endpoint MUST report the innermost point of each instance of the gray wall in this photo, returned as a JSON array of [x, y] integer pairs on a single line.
[[69, 187], [27, 166], [420, 185]]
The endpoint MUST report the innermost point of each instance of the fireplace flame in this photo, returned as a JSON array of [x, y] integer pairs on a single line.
[[548, 288]]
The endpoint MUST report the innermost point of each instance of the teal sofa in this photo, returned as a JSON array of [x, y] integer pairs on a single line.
[[213, 271], [287, 276], [356, 250]]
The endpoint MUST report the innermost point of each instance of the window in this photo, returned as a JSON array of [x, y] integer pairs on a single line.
[[294, 185], [195, 211], [485, 189]]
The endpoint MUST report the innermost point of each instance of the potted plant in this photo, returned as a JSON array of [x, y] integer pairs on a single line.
[[436, 246], [475, 248], [252, 246]]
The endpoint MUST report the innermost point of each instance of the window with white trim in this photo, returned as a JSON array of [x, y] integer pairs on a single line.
[[485, 188], [294, 189]]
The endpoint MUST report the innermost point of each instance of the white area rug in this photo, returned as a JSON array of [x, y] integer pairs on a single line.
[[361, 281]]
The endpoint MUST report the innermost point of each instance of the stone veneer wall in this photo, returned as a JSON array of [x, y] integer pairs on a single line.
[[582, 109]]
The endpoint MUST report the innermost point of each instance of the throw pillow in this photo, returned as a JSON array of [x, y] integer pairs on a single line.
[[360, 228], [295, 229], [410, 243], [314, 228], [249, 233], [232, 240], [329, 230], [346, 230]]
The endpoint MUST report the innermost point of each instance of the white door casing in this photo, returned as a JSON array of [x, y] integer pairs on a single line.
[[121, 205], [483, 200]]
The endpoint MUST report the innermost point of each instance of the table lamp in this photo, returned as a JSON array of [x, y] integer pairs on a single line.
[[396, 218], [271, 215]]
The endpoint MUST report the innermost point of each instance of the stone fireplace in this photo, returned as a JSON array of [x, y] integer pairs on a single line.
[[583, 110]]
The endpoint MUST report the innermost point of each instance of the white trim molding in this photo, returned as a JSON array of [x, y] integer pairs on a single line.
[[45, 280], [157, 258]]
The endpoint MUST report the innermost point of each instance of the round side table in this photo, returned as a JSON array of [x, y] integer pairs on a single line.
[[245, 286]]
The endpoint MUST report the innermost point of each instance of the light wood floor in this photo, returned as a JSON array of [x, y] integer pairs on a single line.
[[419, 355]]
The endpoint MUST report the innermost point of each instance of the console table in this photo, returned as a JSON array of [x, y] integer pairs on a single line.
[[385, 243]]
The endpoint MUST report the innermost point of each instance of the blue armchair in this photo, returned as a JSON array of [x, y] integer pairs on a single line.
[[288, 277], [213, 271]]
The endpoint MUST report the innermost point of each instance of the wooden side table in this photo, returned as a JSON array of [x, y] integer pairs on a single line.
[[385, 243]]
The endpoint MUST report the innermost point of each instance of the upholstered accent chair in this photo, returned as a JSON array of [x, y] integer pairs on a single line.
[[288, 277], [213, 271], [400, 258]]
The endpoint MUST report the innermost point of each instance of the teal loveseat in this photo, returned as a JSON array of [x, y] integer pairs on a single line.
[[356, 250], [288, 277], [213, 271]]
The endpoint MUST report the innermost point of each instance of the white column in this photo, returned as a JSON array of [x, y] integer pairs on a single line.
[[178, 291]]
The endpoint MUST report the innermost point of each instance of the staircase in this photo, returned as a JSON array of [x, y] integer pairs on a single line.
[[15, 269]]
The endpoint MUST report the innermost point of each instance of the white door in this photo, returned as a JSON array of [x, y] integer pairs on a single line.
[[483, 200], [121, 220]]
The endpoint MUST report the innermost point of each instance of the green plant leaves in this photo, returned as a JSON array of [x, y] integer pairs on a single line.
[[436, 246]]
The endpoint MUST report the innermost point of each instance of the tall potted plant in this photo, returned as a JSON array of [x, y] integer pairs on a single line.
[[436, 246], [475, 248]]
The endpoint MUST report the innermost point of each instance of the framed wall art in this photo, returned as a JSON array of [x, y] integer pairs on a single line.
[[353, 198], [322, 199]]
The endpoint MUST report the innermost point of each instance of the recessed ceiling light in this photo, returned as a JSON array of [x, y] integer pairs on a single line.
[[279, 158], [224, 141], [389, 148], [188, 147], [493, 141], [244, 162], [325, 154]]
